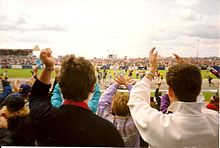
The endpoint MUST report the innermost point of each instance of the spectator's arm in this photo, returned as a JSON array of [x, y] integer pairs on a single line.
[[104, 105], [129, 87], [6, 90], [40, 106], [53, 87], [16, 85], [34, 75], [149, 122], [57, 98], [48, 60], [157, 96], [93, 103], [39, 102], [156, 93]]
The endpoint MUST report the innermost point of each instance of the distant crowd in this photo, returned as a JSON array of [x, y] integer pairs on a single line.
[[113, 63]]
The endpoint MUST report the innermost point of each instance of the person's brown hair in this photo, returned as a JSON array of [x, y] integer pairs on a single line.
[[186, 81], [77, 78], [119, 104]]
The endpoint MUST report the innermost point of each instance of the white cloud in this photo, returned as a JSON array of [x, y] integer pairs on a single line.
[[183, 13], [187, 2], [88, 28]]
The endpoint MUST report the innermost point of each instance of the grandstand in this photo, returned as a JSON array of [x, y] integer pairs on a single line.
[[17, 56], [11, 52]]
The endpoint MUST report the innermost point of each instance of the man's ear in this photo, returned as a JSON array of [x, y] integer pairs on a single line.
[[171, 94]]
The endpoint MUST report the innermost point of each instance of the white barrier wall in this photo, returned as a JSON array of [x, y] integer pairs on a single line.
[[16, 66]]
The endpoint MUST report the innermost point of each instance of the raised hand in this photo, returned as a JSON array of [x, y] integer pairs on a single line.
[[121, 80], [179, 59], [35, 70], [153, 60], [130, 81], [16, 85], [47, 58]]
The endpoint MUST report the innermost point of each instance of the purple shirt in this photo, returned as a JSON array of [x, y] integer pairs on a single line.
[[164, 103]]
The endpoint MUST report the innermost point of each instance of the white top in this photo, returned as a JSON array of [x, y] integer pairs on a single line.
[[190, 125]]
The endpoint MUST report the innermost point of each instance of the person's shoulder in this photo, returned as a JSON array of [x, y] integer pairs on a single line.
[[210, 113], [108, 130], [102, 121]]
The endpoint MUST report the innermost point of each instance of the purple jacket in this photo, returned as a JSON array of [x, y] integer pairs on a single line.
[[164, 103]]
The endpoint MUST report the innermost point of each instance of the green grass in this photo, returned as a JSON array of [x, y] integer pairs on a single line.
[[20, 73], [25, 73], [207, 95]]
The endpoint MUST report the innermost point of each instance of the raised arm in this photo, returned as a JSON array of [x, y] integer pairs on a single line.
[[48, 60], [144, 116], [179, 59], [56, 98], [157, 94], [16, 85], [40, 106], [121, 80], [34, 75], [104, 106], [93, 103]]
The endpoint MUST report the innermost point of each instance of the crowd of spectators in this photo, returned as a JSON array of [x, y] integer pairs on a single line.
[[73, 112], [163, 62], [117, 63]]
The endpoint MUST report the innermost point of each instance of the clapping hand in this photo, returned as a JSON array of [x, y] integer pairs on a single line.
[[47, 58], [121, 80], [153, 60], [179, 59], [130, 81]]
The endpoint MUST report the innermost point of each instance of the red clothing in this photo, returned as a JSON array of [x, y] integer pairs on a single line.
[[213, 106]]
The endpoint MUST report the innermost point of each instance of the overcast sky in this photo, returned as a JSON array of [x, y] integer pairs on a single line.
[[94, 28]]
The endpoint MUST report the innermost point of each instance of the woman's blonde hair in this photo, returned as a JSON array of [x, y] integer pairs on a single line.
[[119, 104]]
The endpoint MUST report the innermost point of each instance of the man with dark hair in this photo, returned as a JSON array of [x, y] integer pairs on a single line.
[[185, 80], [73, 124], [191, 124]]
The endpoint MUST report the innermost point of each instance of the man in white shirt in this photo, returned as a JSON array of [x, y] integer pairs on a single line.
[[190, 124]]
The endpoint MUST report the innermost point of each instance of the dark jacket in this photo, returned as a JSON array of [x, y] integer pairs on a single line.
[[22, 129], [5, 137], [69, 125]]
